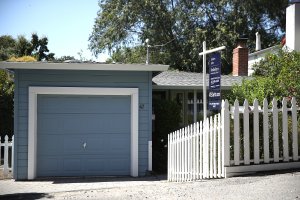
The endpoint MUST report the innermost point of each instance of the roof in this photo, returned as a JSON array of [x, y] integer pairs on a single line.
[[190, 80], [82, 66], [264, 51]]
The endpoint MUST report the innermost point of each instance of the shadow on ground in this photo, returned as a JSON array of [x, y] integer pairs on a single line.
[[89, 179], [268, 173], [27, 196]]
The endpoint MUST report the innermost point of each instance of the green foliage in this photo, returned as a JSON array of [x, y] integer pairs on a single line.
[[275, 76], [167, 119], [7, 47], [6, 103], [23, 46], [183, 25], [36, 47], [137, 55], [64, 58]]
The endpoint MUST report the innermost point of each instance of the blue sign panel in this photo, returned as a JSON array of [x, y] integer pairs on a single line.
[[214, 94]]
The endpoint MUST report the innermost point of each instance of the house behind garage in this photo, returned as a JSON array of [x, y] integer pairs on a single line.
[[82, 119]]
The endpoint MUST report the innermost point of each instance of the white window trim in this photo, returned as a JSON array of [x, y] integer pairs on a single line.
[[32, 119]]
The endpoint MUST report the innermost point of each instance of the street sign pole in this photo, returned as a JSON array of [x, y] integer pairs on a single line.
[[204, 53]]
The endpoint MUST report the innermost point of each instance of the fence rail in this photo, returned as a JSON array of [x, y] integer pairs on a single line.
[[195, 152], [7, 161]]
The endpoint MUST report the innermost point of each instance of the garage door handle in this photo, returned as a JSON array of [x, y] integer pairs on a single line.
[[84, 145]]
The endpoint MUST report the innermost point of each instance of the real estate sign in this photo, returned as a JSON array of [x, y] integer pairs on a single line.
[[214, 92]]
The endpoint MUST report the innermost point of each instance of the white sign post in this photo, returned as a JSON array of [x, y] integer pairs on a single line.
[[204, 75]]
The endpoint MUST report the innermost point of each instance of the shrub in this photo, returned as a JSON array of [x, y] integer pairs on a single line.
[[22, 59]]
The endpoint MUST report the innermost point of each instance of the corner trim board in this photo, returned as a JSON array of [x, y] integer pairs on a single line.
[[32, 119]]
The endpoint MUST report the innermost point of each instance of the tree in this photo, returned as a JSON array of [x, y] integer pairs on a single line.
[[23, 46], [183, 25], [277, 75], [7, 47], [64, 58], [138, 54], [37, 47]]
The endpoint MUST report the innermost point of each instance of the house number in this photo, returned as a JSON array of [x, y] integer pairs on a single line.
[[84, 145]]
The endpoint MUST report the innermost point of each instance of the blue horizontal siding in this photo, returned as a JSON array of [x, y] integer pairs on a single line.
[[65, 78]]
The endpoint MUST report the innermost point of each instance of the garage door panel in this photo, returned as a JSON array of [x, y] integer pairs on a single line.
[[73, 104], [64, 126], [92, 123], [72, 164], [99, 165], [49, 164], [50, 144]]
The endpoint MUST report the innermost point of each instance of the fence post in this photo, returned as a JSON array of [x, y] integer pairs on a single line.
[[201, 149], [5, 155], [236, 133], [285, 136], [219, 147], [275, 131], [266, 131], [211, 132], [295, 132], [0, 151], [169, 158], [225, 135], [246, 133], [215, 147], [12, 153], [256, 131], [197, 150]]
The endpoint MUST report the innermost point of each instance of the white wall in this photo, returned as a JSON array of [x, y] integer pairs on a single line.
[[293, 27]]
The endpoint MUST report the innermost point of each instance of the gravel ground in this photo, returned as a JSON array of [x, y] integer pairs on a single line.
[[285, 185]]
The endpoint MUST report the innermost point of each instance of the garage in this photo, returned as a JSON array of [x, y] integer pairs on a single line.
[[83, 135], [82, 119]]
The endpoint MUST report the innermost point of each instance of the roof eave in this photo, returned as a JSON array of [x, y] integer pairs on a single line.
[[82, 66]]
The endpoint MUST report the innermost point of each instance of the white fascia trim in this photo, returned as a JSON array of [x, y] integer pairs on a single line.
[[83, 66], [32, 118]]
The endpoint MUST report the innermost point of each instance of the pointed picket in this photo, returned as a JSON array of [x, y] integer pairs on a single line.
[[266, 131], [246, 133], [294, 129], [256, 131], [5, 170], [285, 137], [275, 131], [225, 134], [236, 140]]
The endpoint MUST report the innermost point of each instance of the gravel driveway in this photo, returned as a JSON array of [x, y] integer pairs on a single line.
[[285, 185]]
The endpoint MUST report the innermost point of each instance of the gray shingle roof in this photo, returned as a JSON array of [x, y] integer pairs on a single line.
[[180, 79]]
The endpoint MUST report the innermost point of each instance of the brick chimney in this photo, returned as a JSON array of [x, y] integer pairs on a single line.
[[240, 58]]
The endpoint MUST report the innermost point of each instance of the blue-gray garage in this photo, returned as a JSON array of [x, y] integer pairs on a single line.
[[82, 119]]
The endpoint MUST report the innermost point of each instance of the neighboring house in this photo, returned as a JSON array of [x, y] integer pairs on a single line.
[[82, 119], [257, 56], [290, 42]]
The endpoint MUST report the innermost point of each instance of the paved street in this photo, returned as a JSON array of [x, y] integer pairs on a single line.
[[285, 185]]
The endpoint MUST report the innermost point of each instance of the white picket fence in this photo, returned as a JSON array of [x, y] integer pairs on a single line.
[[277, 141], [7, 162], [215, 148], [195, 152]]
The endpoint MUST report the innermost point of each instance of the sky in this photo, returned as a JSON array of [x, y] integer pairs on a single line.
[[67, 24]]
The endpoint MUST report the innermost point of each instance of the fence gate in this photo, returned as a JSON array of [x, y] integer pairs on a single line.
[[195, 152]]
